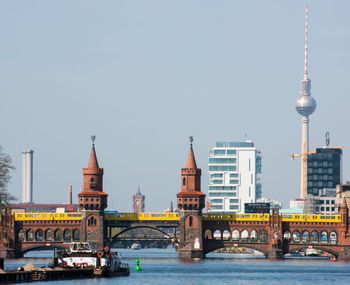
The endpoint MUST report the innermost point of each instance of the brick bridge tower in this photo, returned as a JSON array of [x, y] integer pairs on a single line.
[[92, 202], [190, 202]]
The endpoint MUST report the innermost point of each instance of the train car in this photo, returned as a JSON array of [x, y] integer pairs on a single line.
[[120, 216], [48, 216], [237, 217], [311, 218], [158, 216]]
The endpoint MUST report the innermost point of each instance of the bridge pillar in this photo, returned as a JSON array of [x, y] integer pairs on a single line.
[[92, 202], [190, 201], [345, 253]]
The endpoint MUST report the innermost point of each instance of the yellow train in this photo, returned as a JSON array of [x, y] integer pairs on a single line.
[[141, 216], [47, 216], [311, 218], [74, 216], [266, 217], [237, 217]]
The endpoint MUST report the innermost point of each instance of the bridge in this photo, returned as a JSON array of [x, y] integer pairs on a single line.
[[195, 232]]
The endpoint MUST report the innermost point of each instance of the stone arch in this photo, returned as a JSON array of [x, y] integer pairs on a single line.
[[67, 236], [208, 234], [296, 237], [324, 237], [244, 235], [314, 237], [235, 235], [226, 235], [29, 235], [217, 234], [263, 236], [305, 238], [58, 235], [333, 237], [148, 227], [254, 235], [39, 235], [287, 236], [21, 235], [48, 235], [76, 235]]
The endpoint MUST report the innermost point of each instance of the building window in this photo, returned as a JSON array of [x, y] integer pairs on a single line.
[[233, 175], [233, 200], [216, 175], [216, 200], [219, 152], [233, 207], [217, 181], [216, 207], [222, 194], [222, 168], [234, 181], [231, 152], [222, 160]]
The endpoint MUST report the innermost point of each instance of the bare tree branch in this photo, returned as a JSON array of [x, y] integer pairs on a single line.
[[5, 168]]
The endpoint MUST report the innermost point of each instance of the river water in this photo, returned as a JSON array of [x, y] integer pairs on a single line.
[[161, 266]]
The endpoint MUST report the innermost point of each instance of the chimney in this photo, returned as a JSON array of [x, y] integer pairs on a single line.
[[70, 201]]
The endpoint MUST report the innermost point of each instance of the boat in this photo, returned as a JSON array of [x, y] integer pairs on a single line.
[[84, 255], [333, 259], [135, 246]]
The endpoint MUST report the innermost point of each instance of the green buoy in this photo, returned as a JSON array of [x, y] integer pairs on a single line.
[[137, 261]]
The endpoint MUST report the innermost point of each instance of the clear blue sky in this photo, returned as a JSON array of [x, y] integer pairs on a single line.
[[145, 75]]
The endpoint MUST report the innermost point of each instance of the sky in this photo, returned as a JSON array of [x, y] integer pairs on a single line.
[[144, 75]]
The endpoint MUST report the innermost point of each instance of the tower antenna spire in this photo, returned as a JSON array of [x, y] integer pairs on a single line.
[[306, 43]]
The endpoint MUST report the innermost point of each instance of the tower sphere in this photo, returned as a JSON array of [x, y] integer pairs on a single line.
[[305, 105]]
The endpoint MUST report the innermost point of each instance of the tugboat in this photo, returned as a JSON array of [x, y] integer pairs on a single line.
[[83, 255]]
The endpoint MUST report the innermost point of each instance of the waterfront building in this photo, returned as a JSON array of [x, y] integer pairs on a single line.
[[138, 202], [296, 203], [274, 204], [324, 170], [234, 169]]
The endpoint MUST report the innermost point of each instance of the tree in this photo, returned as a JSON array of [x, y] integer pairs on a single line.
[[5, 168]]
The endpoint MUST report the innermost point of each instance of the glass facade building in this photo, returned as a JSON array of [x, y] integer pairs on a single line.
[[324, 173], [324, 170], [233, 176]]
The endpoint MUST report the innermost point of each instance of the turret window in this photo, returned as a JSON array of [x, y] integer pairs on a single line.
[[92, 183], [92, 222], [190, 221], [184, 181]]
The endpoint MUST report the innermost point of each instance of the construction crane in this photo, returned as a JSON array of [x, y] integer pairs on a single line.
[[304, 172]]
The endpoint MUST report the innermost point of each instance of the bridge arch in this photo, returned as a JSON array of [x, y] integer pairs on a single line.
[[319, 247], [208, 234], [138, 227], [43, 247], [39, 235], [220, 245]]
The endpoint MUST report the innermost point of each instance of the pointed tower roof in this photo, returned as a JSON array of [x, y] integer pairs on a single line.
[[171, 209], [93, 158], [191, 161]]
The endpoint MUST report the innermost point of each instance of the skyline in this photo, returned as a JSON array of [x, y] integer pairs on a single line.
[[144, 77]]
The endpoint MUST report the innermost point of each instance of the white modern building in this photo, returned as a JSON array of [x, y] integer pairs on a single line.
[[233, 176], [27, 176]]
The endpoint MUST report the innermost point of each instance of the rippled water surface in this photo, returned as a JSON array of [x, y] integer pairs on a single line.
[[161, 266]]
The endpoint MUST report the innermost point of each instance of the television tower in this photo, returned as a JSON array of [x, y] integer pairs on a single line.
[[305, 106]]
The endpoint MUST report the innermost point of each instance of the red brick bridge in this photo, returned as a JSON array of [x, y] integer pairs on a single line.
[[196, 235]]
